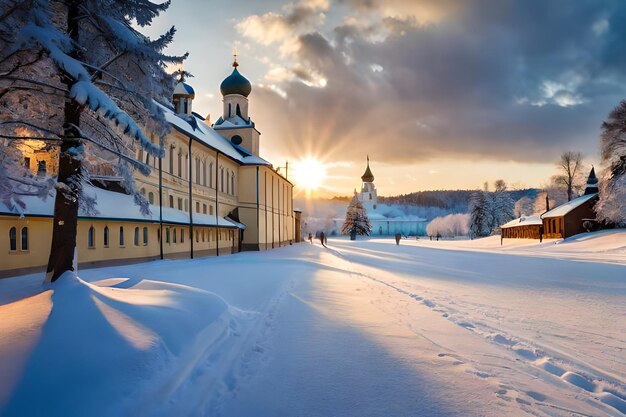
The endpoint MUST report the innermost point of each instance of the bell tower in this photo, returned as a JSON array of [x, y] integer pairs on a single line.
[[368, 196], [235, 123], [183, 95]]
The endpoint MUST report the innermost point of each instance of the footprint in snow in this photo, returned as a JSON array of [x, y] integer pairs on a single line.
[[536, 395]]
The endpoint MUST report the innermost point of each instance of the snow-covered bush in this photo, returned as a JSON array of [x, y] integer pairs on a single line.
[[451, 225], [525, 206]]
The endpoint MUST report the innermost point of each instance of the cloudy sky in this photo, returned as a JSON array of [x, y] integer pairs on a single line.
[[439, 93]]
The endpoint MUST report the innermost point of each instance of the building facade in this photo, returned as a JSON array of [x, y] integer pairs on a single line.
[[211, 194]]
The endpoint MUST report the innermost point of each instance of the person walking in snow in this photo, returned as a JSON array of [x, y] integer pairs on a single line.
[[310, 238], [398, 237], [323, 239]]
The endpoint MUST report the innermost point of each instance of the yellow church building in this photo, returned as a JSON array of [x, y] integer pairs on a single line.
[[211, 194]]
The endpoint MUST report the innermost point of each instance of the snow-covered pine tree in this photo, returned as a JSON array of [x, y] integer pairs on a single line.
[[480, 222], [503, 206], [357, 222], [611, 207], [76, 74]]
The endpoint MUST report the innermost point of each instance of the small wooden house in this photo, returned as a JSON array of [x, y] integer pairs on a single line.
[[528, 227], [567, 219]]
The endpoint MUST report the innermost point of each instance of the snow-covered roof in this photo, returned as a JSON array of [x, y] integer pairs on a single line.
[[182, 88], [117, 206], [523, 221], [565, 208], [231, 122], [200, 131]]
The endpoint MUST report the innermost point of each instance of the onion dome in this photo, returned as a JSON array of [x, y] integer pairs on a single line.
[[236, 83], [367, 176]]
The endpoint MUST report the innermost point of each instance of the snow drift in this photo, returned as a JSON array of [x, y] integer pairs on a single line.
[[84, 344]]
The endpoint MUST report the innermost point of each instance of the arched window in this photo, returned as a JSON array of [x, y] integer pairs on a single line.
[[167, 235], [182, 235], [197, 237], [122, 236], [91, 237], [140, 156], [197, 207], [136, 240], [24, 245], [180, 163], [172, 201], [229, 109], [203, 208], [13, 239], [151, 197], [370, 196], [173, 235], [197, 171], [105, 237], [211, 174], [145, 236], [204, 173], [222, 179], [232, 183]]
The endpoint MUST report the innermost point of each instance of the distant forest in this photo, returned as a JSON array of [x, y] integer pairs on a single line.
[[452, 201]]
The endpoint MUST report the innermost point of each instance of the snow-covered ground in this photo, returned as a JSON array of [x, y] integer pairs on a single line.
[[364, 328]]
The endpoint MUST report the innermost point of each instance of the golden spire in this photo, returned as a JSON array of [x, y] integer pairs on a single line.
[[235, 63]]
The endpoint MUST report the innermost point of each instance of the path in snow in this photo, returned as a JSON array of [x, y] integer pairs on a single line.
[[386, 330]]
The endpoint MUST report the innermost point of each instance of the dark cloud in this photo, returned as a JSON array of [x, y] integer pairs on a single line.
[[511, 80]]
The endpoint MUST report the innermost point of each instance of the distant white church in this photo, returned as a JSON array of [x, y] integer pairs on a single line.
[[386, 219], [368, 196]]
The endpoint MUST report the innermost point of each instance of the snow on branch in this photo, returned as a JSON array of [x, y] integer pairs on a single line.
[[89, 95]]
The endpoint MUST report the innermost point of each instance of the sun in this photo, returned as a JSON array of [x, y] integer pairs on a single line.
[[309, 174]]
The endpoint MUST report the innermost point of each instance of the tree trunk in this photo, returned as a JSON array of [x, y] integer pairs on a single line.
[[67, 198], [570, 189]]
